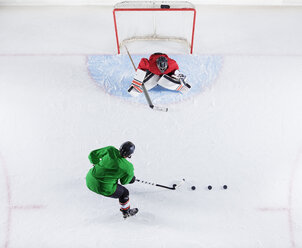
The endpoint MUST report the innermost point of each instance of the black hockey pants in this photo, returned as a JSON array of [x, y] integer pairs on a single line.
[[122, 193]]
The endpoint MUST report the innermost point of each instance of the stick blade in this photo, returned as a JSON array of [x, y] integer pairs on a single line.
[[157, 108], [177, 185]]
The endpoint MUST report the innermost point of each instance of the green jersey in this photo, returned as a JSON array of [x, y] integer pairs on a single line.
[[109, 167]]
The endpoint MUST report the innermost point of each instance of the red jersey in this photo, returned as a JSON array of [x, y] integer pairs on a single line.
[[151, 65]]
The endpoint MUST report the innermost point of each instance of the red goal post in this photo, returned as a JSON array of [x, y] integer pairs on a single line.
[[154, 20]]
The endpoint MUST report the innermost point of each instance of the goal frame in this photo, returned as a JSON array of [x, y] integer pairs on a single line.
[[117, 9]]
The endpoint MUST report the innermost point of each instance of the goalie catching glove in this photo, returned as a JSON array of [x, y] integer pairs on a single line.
[[182, 78], [178, 75]]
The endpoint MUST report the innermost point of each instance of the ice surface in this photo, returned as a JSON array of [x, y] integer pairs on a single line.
[[244, 130]]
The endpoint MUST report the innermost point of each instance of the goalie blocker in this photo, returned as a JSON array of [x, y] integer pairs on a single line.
[[175, 82]]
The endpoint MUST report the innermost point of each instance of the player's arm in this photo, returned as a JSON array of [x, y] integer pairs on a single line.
[[96, 155], [173, 66], [128, 176], [132, 180], [143, 64], [175, 70]]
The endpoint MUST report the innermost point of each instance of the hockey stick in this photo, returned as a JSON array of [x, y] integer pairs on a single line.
[[162, 186], [184, 83], [145, 90]]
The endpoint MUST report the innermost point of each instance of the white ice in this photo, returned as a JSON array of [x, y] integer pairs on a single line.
[[244, 131]]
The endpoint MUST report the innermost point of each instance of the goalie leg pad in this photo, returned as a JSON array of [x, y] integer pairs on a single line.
[[149, 79], [169, 82], [173, 83], [136, 86], [134, 90]]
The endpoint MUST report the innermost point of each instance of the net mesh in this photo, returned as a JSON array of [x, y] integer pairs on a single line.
[[166, 21]]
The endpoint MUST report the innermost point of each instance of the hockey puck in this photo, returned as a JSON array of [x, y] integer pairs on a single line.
[[193, 187], [165, 6], [225, 186], [174, 185], [209, 187]]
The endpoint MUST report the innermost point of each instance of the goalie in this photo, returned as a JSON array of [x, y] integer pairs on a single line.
[[158, 70]]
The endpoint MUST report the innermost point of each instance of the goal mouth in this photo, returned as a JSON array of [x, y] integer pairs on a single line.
[[142, 43], [164, 21]]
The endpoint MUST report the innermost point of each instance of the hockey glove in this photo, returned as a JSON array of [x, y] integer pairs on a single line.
[[132, 180], [179, 75]]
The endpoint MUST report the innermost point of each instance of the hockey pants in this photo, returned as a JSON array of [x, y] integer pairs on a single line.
[[122, 194]]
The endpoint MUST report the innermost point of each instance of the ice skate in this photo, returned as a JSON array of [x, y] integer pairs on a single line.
[[129, 212]]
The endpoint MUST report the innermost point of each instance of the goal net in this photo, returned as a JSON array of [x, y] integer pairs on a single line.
[[156, 21]]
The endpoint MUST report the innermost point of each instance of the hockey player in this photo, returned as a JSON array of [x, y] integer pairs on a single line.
[[158, 70], [109, 166]]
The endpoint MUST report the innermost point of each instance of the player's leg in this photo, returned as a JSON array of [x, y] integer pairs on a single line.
[[149, 79], [122, 194], [173, 83]]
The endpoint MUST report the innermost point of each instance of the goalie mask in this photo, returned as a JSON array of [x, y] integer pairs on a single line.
[[162, 64]]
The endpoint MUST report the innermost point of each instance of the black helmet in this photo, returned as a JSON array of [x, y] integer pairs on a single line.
[[162, 63], [126, 149]]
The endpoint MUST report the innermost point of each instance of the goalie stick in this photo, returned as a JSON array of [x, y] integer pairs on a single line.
[[184, 83], [145, 90]]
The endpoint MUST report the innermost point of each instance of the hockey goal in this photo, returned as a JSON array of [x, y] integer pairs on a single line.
[[154, 20]]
